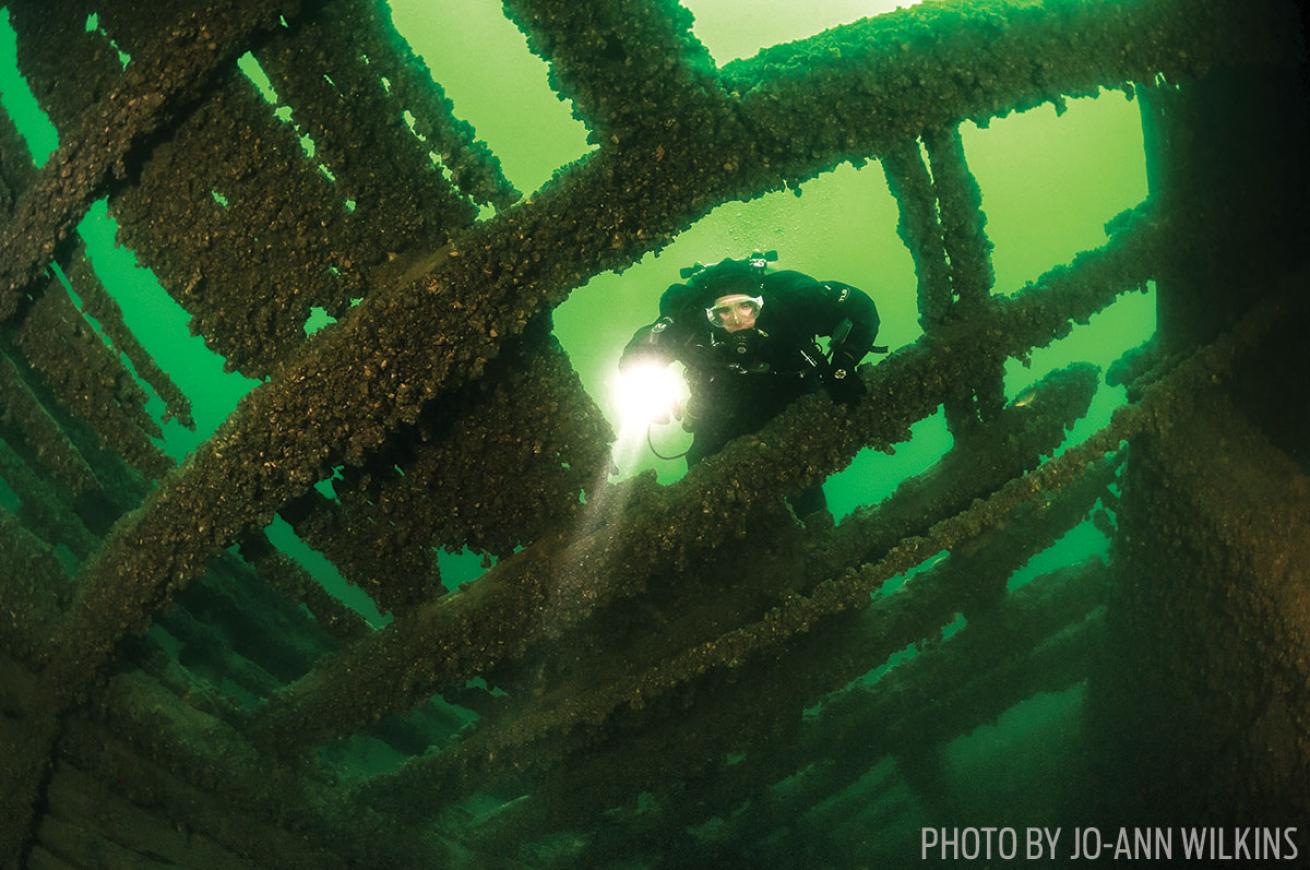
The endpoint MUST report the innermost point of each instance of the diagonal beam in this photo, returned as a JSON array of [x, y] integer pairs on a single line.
[[1008, 447], [142, 738], [16, 169]]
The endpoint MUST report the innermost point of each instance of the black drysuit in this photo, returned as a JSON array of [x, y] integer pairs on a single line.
[[741, 380]]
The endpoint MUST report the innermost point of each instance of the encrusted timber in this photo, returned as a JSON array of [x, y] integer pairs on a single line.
[[1184, 37], [35, 591], [1007, 447], [532, 430], [33, 584], [828, 753], [942, 223], [232, 623], [1136, 366], [1214, 531], [87, 825], [293, 582], [192, 242], [24, 766], [544, 591], [972, 581], [142, 750], [525, 438], [964, 237], [85, 378], [41, 508], [79, 467], [269, 642], [963, 222], [238, 626], [45, 441], [334, 85], [33, 588], [476, 170], [925, 693], [16, 168], [999, 57], [147, 721], [38, 589], [919, 229], [596, 705], [1057, 664], [286, 433], [1049, 654], [105, 309], [251, 239], [251, 266], [33, 595], [67, 66], [996, 631], [630, 67], [355, 42], [842, 826], [154, 88], [72, 410]]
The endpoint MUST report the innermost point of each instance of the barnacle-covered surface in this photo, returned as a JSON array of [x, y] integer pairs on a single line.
[[614, 688]]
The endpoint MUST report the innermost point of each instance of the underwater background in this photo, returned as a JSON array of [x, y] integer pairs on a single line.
[[1055, 178]]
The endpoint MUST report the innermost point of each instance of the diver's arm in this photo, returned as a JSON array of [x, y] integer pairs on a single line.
[[846, 303], [842, 312], [649, 345], [852, 338], [834, 309], [657, 342]]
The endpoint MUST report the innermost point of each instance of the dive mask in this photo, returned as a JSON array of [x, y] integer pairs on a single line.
[[731, 310]]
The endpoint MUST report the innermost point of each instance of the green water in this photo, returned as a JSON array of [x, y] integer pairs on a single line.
[[1049, 184]]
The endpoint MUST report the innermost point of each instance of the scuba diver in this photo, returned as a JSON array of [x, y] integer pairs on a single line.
[[746, 336]]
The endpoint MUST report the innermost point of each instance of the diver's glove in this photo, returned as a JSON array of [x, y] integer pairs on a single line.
[[843, 382]]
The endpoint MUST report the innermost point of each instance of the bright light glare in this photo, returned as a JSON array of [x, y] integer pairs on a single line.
[[648, 392]]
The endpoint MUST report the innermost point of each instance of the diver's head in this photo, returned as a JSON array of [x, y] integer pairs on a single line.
[[730, 291], [735, 312]]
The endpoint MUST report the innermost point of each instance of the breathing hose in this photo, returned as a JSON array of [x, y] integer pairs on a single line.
[[650, 442]]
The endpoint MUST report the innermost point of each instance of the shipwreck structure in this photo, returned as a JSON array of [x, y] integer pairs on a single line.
[[610, 690]]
